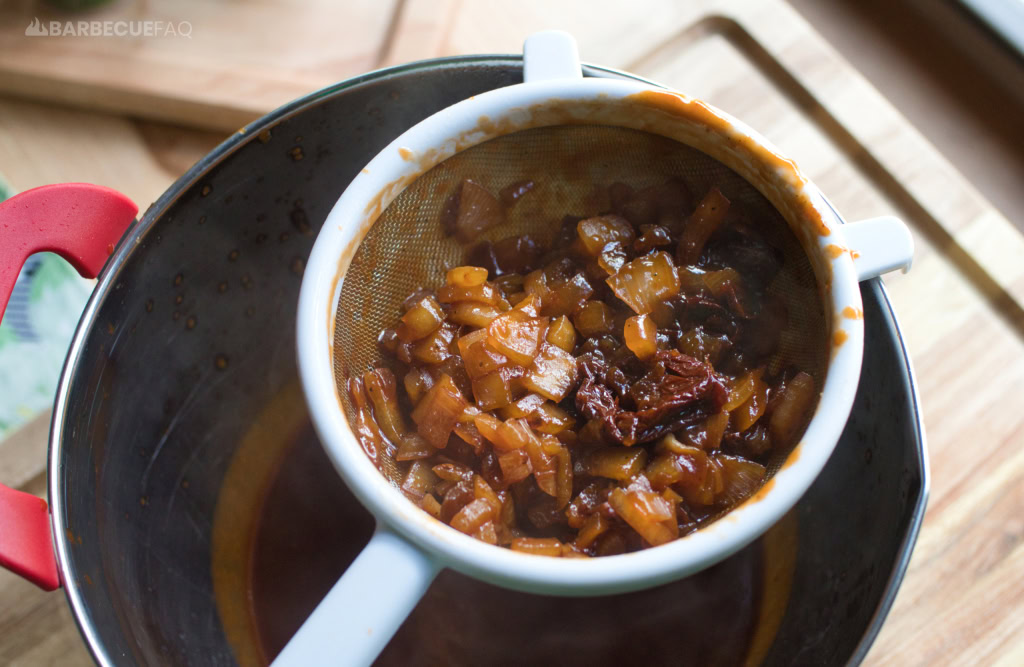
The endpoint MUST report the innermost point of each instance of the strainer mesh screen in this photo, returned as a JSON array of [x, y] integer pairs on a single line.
[[572, 167]]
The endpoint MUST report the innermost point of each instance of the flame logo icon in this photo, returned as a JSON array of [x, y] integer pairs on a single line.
[[36, 29]]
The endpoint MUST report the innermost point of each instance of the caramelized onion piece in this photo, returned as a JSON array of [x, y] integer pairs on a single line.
[[419, 481], [380, 387], [431, 506], [594, 318], [596, 233], [612, 257], [517, 335], [562, 334], [439, 411], [594, 526], [466, 276], [538, 546], [492, 391], [751, 409], [413, 447], [365, 428], [646, 512], [470, 211], [619, 463], [701, 225], [740, 478], [549, 418], [472, 314], [417, 381], [552, 374], [640, 335], [792, 409], [645, 282], [473, 516], [420, 320], [483, 293], [524, 407], [436, 347], [479, 358], [564, 297]]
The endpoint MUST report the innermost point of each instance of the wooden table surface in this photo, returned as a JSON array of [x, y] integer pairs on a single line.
[[97, 109]]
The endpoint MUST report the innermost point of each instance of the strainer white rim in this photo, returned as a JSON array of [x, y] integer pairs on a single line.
[[386, 580], [460, 126]]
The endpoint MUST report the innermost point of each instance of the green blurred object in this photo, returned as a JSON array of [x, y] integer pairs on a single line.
[[73, 5]]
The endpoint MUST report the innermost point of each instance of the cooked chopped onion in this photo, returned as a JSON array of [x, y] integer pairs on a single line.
[[793, 408], [641, 336], [611, 416], [466, 276], [439, 411], [562, 334], [619, 463], [702, 224], [594, 318], [517, 335], [645, 282], [474, 210], [596, 233], [552, 374], [423, 318], [538, 546]]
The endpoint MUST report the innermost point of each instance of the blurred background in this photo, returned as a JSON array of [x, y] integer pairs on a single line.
[[952, 67], [913, 107]]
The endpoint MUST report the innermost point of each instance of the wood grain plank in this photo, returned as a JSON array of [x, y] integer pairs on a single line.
[[23, 453], [45, 144], [37, 627], [956, 212], [219, 77]]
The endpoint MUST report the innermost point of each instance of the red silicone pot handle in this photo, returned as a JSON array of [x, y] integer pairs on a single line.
[[82, 223]]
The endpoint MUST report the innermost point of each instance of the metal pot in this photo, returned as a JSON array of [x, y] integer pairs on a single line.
[[188, 494]]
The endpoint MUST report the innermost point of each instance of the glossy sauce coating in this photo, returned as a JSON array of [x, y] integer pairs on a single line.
[[614, 390]]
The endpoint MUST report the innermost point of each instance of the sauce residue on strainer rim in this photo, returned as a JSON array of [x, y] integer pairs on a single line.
[[764, 157], [771, 172]]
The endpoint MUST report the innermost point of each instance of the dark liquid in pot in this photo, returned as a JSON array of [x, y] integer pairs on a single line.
[[312, 528]]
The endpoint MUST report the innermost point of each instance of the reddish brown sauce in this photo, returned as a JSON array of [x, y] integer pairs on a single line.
[[834, 250]]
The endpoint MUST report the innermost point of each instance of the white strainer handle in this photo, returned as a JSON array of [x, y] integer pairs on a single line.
[[360, 614], [879, 245], [550, 55]]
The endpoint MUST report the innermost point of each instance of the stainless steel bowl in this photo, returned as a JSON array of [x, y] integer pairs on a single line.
[[183, 469]]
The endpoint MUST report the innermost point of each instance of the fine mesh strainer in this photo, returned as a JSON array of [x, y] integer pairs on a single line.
[[382, 240], [407, 249]]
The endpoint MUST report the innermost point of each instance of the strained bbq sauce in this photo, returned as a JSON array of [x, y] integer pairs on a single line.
[[613, 391]]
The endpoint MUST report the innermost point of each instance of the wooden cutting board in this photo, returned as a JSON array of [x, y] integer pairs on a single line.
[[961, 307], [206, 64]]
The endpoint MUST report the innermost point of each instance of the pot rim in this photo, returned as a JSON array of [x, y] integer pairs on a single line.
[[108, 278]]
